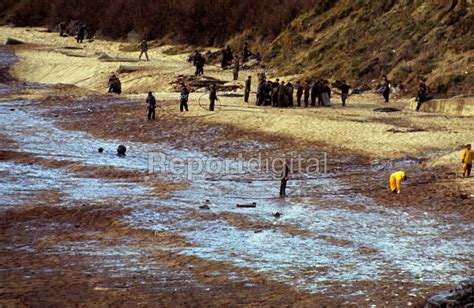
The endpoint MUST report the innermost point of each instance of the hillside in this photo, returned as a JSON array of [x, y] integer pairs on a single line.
[[361, 40]]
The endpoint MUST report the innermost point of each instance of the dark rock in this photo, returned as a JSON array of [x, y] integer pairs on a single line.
[[100, 150], [11, 41], [121, 149], [12, 109], [386, 109]]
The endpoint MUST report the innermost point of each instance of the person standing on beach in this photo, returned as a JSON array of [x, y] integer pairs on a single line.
[[395, 181], [198, 61], [284, 179], [236, 68], [248, 84], [306, 93], [466, 161], [344, 92], [212, 97], [151, 106], [299, 92], [183, 99], [261, 93], [62, 28], [143, 49], [385, 88], [81, 32]]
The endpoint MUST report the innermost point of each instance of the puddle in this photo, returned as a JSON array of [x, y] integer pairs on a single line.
[[351, 238]]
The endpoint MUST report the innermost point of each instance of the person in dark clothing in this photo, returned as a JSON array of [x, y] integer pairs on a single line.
[[325, 94], [212, 97], [151, 106], [261, 93], [282, 95], [245, 53], [422, 95], [306, 89], [274, 92], [227, 57], [115, 86], [183, 99], [344, 92], [289, 93], [81, 32], [248, 84], [284, 179], [315, 92], [385, 88], [62, 28], [143, 49], [198, 62], [299, 92], [236, 69]]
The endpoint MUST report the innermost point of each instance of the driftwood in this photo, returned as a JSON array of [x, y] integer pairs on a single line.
[[248, 205]]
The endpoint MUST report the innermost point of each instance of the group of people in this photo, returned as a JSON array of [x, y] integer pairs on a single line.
[[311, 93], [228, 56]]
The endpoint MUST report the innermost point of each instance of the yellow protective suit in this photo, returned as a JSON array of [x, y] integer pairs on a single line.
[[395, 180], [466, 158]]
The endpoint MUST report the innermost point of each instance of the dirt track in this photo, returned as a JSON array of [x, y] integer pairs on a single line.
[[63, 247]]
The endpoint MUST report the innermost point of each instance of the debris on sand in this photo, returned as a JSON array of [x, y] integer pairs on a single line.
[[193, 83], [231, 95], [12, 41], [247, 205], [461, 296], [128, 69], [409, 130], [387, 109]]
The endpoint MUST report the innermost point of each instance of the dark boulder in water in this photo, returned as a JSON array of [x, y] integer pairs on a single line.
[[461, 296]]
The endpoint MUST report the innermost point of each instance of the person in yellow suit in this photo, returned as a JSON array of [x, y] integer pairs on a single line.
[[466, 161], [395, 180]]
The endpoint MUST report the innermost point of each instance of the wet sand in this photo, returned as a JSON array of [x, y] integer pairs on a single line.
[[140, 239]]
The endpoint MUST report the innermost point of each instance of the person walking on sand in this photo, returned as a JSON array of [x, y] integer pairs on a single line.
[[151, 106], [248, 84], [284, 179], [344, 92], [236, 68], [395, 181], [183, 99], [466, 161], [212, 97], [143, 49]]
